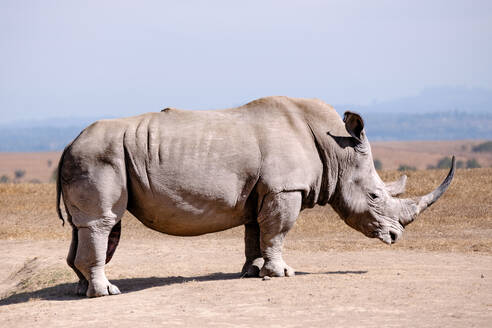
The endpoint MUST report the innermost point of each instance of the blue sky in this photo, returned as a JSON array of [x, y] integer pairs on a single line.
[[120, 58]]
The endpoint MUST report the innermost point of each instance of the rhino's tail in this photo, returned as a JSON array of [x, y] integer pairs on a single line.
[[58, 186]]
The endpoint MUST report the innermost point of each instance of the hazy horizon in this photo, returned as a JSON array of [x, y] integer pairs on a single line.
[[119, 58]]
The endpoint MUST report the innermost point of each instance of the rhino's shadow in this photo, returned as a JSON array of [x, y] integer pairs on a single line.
[[66, 291]]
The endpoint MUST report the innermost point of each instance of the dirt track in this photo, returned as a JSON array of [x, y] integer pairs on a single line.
[[195, 282]]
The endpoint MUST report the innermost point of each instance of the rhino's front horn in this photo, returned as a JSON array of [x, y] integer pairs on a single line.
[[429, 199], [416, 206]]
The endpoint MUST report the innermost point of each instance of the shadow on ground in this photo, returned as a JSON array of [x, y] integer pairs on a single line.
[[66, 291], [300, 273]]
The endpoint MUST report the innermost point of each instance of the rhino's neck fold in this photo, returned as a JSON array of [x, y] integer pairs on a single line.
[[329, 173]]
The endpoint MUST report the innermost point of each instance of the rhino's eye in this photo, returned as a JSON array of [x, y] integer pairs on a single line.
[[373, 196]]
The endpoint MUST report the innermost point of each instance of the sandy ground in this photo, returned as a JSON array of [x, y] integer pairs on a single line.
[[173, 281], [438, 275]]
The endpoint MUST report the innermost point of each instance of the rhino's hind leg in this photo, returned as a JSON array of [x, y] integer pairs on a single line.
[[277, 216], [252, 250], [72, 252], [91, 258]]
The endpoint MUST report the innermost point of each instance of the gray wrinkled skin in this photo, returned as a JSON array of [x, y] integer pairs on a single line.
[[188, 173]]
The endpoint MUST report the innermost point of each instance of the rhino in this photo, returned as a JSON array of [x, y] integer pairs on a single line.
[[188, 173]]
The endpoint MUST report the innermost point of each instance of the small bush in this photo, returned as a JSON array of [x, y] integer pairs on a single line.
[[404, 167], [54, 175], [4, 179], [483, 147], [377, 164], [444, 163], [472, 164], [19, 174]]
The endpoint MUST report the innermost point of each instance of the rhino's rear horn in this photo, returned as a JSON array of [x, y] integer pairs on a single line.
[[397, 187]]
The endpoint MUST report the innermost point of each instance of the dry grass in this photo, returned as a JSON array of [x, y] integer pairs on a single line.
[[460, 221]]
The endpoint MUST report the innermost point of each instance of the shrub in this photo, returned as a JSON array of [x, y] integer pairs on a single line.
[[444, 163], [483, 147], [404, 167], [54, 175], [472, 164], [19, 174], [377, 164], [4, 179]]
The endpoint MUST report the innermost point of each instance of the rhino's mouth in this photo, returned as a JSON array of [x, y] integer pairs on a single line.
[[390, 237]]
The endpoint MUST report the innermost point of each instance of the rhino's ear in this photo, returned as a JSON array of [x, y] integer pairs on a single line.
[[354, 125]]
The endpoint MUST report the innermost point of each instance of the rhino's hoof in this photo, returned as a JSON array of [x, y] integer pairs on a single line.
[[252, 269], [276, 269], [98, 290], [113, 290]]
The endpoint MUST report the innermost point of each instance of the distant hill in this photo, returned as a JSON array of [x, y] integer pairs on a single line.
[[452, 125], [432, 100], [41, 135], [445, 113], [442, 113]]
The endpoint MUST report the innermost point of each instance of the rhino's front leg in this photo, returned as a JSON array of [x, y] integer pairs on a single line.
[[277, 216], [254, 259]]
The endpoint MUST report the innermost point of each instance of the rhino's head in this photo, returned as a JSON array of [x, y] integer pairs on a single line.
[[363, 200]]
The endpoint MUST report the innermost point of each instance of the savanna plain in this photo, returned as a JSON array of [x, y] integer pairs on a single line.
[[438, 275]]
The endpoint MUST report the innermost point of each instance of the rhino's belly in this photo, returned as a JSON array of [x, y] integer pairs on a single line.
[[187, 219]]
